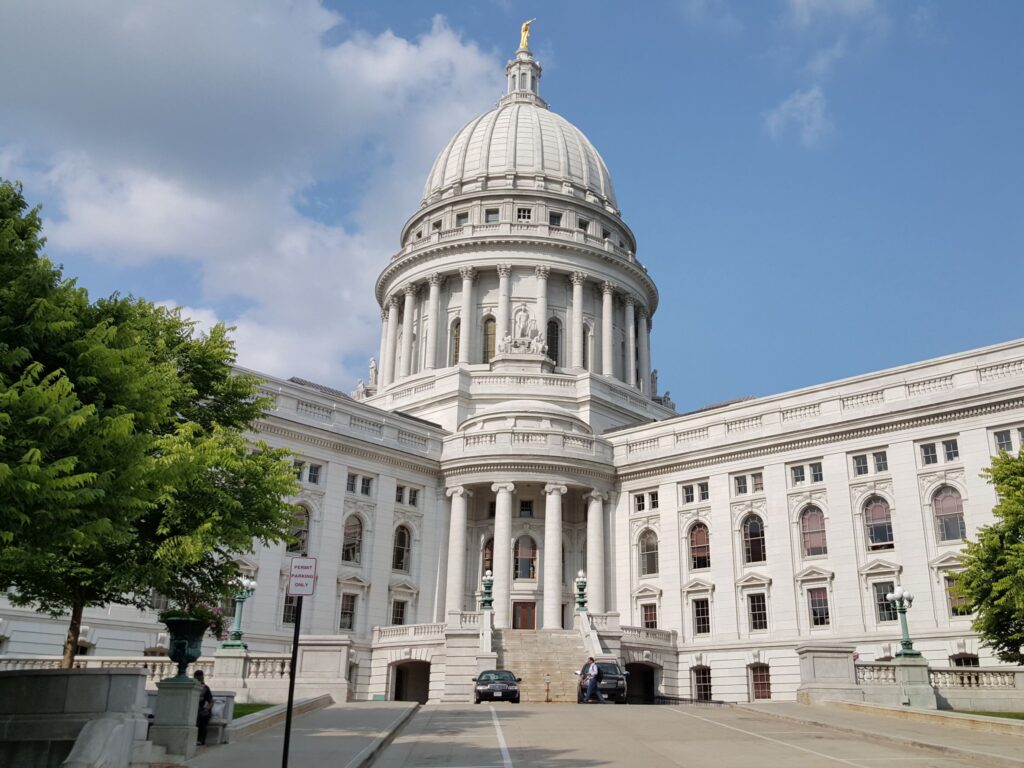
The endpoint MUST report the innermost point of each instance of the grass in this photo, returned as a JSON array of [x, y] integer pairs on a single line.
[[241, 710], [1011, 715]]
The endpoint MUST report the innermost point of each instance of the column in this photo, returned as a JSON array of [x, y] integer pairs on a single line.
[[407, 313], [455, 593], [434, 308], [503, 320], [630, 342], [645, 351], [607, 329], [391, 350], [595, 551], [466, 314], [577, 278], [502, 553], [553, 556], [383, 345], [542, 300]]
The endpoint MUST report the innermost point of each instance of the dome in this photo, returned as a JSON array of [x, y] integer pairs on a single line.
[[521, 138]]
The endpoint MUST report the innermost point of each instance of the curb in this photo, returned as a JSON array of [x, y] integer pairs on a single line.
[[369, 753], [275, 715], [983, 758]]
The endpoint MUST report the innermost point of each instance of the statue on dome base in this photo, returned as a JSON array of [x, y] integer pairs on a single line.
[[524, 35], [525, 337]]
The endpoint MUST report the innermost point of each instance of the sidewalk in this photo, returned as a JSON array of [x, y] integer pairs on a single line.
[[341, 736], [944, 735]]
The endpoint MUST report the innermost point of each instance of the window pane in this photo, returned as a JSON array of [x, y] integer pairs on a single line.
[[951, 449], [928, 454], [313, 474], [817, 600], [398, 612], [352, 545], [490, 326], [958, 603], [1003, 441], [702, 683], [650, 615], [701, 617], [526, 508], [366, 486], [756, 482], [553, 339], [949, 514], [348, 612], [760, 677], [817, 475], [700, 549], [300, 531], [648, 553], [288, 611], [812, 528], [525, 558], [654, 499], [881, 462], [403, 544], [688, 496], [798, 475], [702, 490], [487, 559], [884, 610], [757, 606], [741, 485], [860, 465], [753, 540], [350, 483], [639, 502], [878, 524]]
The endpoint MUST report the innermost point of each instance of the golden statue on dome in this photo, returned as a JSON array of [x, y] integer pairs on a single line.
[[524, 35]]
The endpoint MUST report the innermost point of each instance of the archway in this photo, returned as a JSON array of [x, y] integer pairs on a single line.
[[640, 686], [412, 681]]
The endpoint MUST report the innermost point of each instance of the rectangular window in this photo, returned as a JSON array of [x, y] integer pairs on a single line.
[[928, 454], [965, 660], [348, 612], [741, 485], [757, 610], [756, 482], [881, 462], [1003, 441], [414, 497], [701, 617], [951, 449], [297, 466], [398, 613], [526, 508], [761, 682], [817, 603], [639, 502], [524, 214], [817, 476], [703, 492], [701, 683], [366, 486], [688, 496], [884, 610], [462, 219], [958, 603], [860, 465], [605, 234], [650, 615], [798, 475], [288, 611], [313, 474], [555, 219], [654, 499], [491, 216], [436, 226], [399, 494], [582, 224], [350, 483]]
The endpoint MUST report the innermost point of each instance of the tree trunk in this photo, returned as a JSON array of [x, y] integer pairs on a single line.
[[71, 644]]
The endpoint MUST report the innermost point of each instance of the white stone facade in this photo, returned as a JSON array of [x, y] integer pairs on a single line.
[[537, 423]]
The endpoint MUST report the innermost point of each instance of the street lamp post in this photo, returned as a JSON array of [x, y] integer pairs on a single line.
[[487, 601], [246, 587], [903, 599], [581, 592]]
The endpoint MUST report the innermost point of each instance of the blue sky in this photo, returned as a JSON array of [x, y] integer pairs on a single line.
[[820, 188]]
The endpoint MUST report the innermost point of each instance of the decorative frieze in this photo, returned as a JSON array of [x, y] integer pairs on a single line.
[[861, 491], [797, 501]]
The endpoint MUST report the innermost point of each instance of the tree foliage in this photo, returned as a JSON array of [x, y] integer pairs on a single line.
[[993, 580], [123, 462]]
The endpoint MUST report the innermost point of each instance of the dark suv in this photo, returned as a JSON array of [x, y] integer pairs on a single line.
[[496, 685], [612, 685]]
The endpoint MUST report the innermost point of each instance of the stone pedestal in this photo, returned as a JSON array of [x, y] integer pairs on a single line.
[[521, 362], [915, 682], [229, 669], [174, 727], [827, 673]]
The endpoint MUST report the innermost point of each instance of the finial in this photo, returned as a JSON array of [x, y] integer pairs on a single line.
[[524, 35]]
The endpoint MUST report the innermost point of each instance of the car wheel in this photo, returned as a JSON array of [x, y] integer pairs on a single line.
[[579, 696], [515, 700], [476, 699]]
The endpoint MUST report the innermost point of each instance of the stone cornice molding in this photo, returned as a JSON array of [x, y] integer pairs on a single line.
[[671, 464], [488, 469]]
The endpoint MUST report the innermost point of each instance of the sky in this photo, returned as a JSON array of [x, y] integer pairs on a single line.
[[819, 188]]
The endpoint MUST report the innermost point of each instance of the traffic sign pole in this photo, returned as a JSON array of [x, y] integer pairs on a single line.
[[291, 683]]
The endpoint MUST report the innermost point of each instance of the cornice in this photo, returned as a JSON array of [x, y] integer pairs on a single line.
[[674, 464], [452, 471]]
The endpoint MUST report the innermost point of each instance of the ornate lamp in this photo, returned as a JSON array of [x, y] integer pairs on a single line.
[[246, 587], [581, 591], [488, 597], [903, 599]]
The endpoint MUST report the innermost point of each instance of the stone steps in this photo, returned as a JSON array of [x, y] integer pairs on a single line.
[[532, 655]]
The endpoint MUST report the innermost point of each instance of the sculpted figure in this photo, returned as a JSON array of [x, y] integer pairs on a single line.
[[373, 373], [524, 34], [654, 382]]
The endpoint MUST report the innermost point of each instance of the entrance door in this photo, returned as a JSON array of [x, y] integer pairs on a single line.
[[524, 615]]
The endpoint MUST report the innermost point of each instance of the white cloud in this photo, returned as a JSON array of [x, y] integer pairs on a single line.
[[805, 13], [821, 64], [806, 112], [713, 14]]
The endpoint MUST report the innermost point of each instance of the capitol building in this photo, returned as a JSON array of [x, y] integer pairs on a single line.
[[511, 422]]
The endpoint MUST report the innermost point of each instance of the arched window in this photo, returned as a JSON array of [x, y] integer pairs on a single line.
[[812, 531], [489, 330], [878, 523], [554, 333], [753, 540], [453, 343], [522, 81], [700, 547], [403, 547], [352, 545], [648, 553], [948, 508], [300, 530], [525, 557], [487, 557]]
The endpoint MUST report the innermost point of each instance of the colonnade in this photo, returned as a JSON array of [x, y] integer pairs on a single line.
[[400, 309], [551, 585]]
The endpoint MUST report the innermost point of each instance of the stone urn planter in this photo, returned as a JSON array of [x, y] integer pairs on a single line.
[[186, 640]]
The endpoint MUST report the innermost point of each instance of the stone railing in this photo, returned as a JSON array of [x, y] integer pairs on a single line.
[[876, 674], [408, 633], [268, 666], [605, 622], [645, 636], [550, 441], [967, 677], [156, 667]]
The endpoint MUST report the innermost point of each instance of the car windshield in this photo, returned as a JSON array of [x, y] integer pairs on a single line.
[[499, 676], [610, 669]]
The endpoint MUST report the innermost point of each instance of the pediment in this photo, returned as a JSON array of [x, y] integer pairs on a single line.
[[754, 580], [697, 585], [647, 591], [880, 568], [946, 560], [354, 581], [404, 586], [814, 573]]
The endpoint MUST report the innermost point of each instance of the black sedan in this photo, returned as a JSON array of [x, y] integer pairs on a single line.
[[496, 685], [612, 685]]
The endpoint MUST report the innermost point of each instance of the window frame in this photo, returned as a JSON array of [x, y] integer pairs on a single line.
[[749, 540], [942, 518], [806, 533], [352, 545], [757, 617], [649, 615], [700, 612], [401, 553], [885, 611], [815, 605], [870, 529], [706, 557], [647, 562], [517, 557], [347, 610]]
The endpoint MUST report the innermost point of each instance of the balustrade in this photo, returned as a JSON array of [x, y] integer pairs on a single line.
[[876, 674]]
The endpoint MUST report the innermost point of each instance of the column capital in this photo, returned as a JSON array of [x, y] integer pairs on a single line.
[[642, 311], [561, 490], [596, 495], [468, 273], [542, 272], [608, 287], [504, 270], [384, 311], [578, 278], [394, 301], [458, 490], [503, 486], [436, 279], [411, 289], [629, 299]]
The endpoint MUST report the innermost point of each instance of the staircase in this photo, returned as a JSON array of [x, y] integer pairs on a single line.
[[532, 654]]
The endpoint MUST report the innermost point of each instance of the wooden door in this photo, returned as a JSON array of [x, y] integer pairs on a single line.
[[524, 615]]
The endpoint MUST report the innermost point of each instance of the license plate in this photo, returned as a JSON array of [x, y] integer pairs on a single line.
[[497, 694]]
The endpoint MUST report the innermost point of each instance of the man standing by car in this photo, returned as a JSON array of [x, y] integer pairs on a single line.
[[591, 673]]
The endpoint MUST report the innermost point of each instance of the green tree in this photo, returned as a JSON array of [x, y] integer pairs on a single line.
[[993, 580], [123, 462]]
